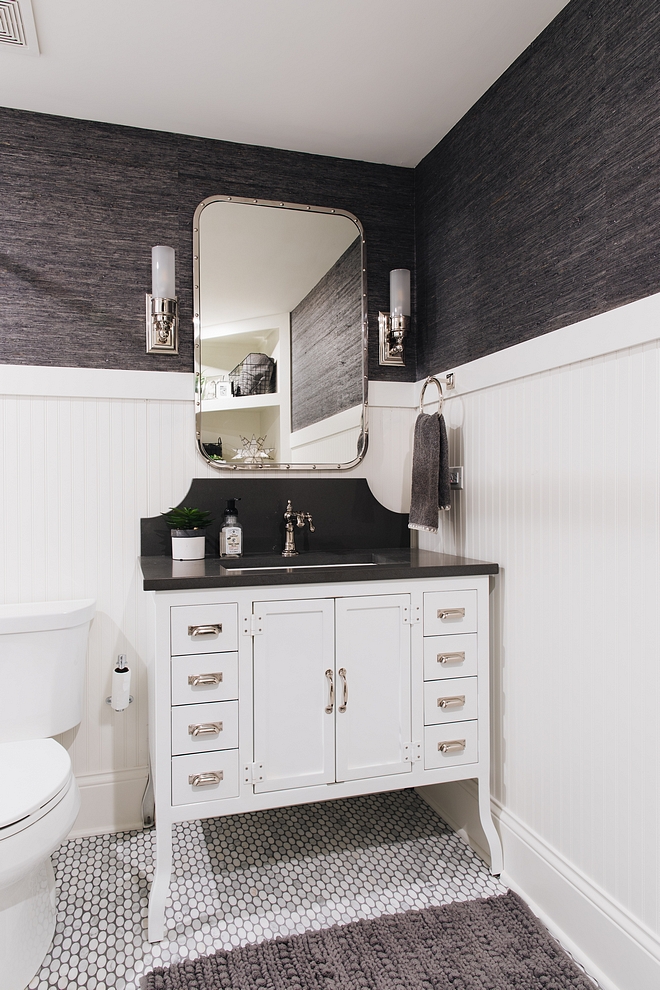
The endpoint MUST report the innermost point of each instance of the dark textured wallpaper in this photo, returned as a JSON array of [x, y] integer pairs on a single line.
[[325, 349], [83, 203], [542, 206]]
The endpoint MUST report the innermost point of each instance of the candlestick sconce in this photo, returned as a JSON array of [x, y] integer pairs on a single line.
[[393, 326], [162, 304]]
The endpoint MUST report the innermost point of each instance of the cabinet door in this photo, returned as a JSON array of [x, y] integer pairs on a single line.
[[293, 732], [373, 651]]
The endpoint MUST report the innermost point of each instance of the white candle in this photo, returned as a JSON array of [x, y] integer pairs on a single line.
[[400, 292], [162, 272]]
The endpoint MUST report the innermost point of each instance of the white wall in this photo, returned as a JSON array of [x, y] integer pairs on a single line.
[[562, 489], [559, 438], [84, 455]]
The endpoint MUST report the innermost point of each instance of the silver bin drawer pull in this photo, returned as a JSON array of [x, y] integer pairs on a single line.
[[196, 680], [205, 729], [212, 629], [451, 657], [451, 613], [449, 704], [204, 779], [455, 746]]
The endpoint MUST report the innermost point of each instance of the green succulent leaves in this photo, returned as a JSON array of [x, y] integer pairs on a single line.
[[187, 518]]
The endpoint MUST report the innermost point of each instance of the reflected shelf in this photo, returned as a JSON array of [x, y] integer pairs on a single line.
[[268, 400]]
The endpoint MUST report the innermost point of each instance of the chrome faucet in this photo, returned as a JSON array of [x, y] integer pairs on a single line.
[[300, 518]]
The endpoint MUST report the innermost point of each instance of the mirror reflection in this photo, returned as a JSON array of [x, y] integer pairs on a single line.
[[280, 304]]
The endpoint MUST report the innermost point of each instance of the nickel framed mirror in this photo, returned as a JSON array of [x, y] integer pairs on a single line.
[[280, 335]]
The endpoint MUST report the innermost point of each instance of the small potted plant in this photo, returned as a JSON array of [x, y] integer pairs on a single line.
[[188, 536]]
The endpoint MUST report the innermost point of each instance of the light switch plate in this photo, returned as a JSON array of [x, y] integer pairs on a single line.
[[456, 478]]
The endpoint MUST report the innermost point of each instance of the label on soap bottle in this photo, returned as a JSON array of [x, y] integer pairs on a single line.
[[231, 542]]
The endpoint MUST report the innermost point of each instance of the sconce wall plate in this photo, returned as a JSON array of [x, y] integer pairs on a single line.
[[162, 325], [391, 334]]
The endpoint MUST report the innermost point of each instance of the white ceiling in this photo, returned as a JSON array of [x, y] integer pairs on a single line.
[[377, 80]]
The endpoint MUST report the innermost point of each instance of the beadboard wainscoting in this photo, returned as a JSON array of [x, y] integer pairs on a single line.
[[85, 454], [562, 489]]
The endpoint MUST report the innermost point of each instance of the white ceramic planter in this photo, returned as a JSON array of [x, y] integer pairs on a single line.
[[188, 544]]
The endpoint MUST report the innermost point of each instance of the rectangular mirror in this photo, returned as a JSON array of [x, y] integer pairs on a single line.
[[280, 335]]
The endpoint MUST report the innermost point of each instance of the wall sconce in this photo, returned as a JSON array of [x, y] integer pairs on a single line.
[[162, 308], [393, 326]]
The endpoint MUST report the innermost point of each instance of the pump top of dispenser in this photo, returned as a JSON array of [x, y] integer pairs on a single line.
[[231, 512]]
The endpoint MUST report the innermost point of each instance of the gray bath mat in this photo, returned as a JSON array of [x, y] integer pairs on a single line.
[[489, 944]]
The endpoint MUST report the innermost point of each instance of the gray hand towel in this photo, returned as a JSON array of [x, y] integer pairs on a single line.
[[430, 473]]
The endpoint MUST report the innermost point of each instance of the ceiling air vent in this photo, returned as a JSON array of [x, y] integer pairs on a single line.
[[17, 28]]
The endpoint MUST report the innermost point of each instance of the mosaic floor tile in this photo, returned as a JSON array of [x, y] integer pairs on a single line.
[[248, 877]]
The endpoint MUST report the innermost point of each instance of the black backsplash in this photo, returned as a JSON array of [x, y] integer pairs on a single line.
[[542, 206], [346, 515], [83, 203]]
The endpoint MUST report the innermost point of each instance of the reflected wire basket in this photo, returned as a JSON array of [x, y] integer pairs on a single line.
[[255, 375]]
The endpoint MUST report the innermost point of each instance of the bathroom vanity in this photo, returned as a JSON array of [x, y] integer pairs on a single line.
[[276, 683], [344, 670]]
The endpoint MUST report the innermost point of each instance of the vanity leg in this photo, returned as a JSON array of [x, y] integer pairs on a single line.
[[487, 824], [161, 882]]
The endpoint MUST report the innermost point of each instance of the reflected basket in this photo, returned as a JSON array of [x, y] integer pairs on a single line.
[[255, 375]]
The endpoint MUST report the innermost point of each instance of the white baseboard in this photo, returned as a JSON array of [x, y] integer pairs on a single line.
[[110, 802], [613, 946]]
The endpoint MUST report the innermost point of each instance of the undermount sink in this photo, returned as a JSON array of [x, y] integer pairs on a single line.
[[348, 558]]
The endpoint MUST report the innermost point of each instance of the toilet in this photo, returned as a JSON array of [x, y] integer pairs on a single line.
[[42, 666]]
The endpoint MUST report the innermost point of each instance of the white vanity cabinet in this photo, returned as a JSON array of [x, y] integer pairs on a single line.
[[269, 696], [331, 690]]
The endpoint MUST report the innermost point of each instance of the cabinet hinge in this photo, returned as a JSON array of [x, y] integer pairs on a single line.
[[253, 773], [412, 752], [411, 615], [252, 625]]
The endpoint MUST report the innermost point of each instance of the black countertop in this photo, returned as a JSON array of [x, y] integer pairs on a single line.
[[164, 574]]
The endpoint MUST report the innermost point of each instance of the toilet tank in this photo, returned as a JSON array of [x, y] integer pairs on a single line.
[[42, 667]]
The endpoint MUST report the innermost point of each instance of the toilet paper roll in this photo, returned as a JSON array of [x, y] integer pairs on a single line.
[[121, 685]]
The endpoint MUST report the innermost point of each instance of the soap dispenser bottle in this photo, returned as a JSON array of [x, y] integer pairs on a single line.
[[231, 534]]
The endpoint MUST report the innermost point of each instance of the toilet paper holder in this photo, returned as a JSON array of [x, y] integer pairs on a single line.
[[120, 698]]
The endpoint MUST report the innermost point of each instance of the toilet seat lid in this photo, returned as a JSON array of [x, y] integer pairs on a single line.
[[31, 773]]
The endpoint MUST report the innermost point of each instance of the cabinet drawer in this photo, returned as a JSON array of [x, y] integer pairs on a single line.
[[450, 656], [200, 728], [460, 738], [203, 628], [221, 780], [447, 612], [442, 700], [211, 677]]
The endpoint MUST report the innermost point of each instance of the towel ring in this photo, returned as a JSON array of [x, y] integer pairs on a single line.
[[431, 380]]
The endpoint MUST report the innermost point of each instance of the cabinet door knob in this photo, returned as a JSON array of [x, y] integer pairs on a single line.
[[344, 702], [212, 629], [454, 746], [458, 701], [205, 729], [203, 779], [451, 613], [196, 680], [331, 700], [451, 657]]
